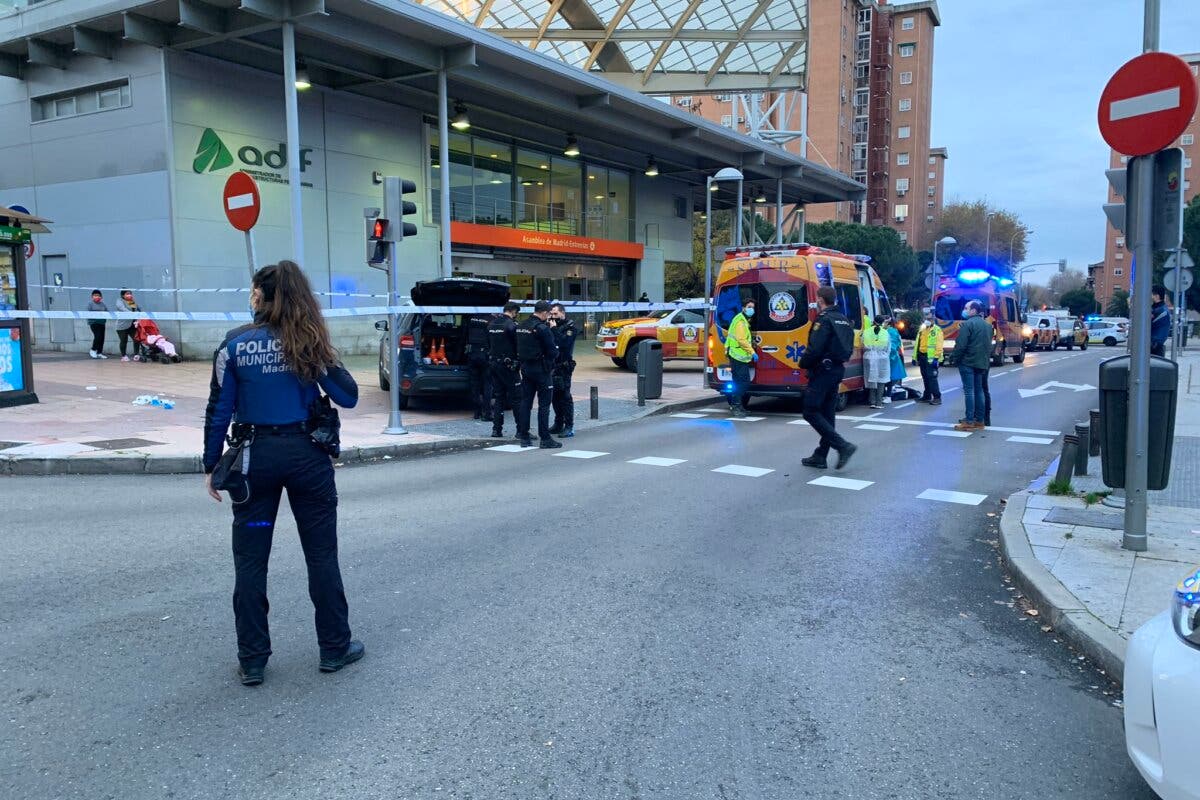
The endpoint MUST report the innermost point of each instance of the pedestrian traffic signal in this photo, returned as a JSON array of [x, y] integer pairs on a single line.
[[378, 239], [1119, 180]]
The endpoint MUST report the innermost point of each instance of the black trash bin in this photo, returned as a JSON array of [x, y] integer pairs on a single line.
[[1114, 417], [649, 369]]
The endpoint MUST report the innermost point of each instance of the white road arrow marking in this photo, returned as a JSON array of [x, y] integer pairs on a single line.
[[1045, 388]]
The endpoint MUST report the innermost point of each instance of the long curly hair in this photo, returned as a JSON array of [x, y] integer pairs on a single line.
[[290, 310]]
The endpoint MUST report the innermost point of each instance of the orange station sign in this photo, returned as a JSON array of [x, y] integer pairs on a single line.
[[542, 241]]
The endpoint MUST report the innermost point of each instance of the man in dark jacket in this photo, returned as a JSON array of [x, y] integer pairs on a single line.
[[972, 352], [1160, 322], [830, 345], [564, 405], [538, 354]]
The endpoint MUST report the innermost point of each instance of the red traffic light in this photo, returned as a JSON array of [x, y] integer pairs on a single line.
[[379, 229]]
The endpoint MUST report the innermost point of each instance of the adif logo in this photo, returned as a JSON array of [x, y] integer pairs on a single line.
[[211, 153]]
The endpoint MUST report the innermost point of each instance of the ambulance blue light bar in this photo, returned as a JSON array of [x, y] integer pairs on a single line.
[[973, 277]]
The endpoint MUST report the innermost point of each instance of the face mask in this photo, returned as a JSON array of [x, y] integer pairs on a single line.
[[966, 313], [749, 312]]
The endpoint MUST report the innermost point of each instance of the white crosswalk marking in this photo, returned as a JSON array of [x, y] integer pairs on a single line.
[[509, 448], [687, 415], [840, 483], [873, 427], [955, 434], [580, 454], [738, 469], [655, 461], [797, 422], [943, 496], [1030, 440], [746, 419]]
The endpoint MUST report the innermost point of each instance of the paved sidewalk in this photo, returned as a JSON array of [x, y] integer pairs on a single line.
[[86, 421], [1066, 555]]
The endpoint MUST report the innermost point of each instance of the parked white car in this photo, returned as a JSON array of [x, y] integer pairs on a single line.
[[1162, 696], [1109, 334]]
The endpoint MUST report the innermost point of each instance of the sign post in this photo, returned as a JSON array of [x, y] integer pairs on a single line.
[[242, 206], [1178, 275], [1145, 106]]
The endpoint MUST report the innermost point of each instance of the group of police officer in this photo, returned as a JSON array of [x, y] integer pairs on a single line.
[[513, 364]]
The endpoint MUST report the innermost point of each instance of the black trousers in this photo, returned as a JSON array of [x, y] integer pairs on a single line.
[[987, 399], [481, 382], [1158, 349], [295, 463], [739, 376], [537, 382], [929, 376], [506, 390], [820, 408], [123, 337], [564, 404], [97, 336]]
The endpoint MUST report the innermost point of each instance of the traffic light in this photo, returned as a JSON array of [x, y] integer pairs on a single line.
[[378, 241], [397, 208], [1119, 180]]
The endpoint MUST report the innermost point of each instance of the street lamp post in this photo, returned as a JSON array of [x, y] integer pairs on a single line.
[[1011, 242], [987, 247], [726, 174], [948, 241]]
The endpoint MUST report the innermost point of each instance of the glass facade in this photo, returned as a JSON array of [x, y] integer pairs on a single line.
[[495, 183]]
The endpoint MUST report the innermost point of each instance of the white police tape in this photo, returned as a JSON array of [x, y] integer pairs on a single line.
[[580, 307]]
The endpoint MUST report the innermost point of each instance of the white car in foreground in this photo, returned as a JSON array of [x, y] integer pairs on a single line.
[[1162, 696]]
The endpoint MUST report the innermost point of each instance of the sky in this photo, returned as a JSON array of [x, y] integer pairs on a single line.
[[1016, 84]]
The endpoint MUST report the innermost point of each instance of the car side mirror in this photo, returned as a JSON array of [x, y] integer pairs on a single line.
[[381, 325]]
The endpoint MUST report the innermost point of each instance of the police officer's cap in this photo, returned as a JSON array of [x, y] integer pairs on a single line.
[[541, 306]]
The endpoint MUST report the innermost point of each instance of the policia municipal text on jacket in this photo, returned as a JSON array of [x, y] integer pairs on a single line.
[[267, 379], [830, 345], [506, 370], [538, 354]]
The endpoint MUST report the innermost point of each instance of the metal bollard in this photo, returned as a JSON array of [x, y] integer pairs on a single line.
[[1066, 462], [595, 398], [1083, 434], [641, 389], [1094, 429]]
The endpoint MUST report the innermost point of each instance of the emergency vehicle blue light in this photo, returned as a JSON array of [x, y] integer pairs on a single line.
[[1003, 282], [729, 387], [973, 277]]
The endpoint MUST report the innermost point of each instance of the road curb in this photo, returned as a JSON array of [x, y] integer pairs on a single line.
[[143, 464], [1061, 609]]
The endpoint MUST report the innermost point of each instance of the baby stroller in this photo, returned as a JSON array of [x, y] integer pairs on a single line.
[[151, 345]]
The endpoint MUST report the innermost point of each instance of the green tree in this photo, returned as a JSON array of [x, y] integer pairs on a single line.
[[1063, 283], [1118, 304], [1079, 301], [890, 256], [1191, 243], [967, 223]]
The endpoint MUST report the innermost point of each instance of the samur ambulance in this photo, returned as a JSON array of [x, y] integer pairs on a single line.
[[997, 293], [783, 281], [680, 330]]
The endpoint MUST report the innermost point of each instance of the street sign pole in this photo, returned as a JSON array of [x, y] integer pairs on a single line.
[[1141, 178], [1180, 302], [243, 204], [393, 212]]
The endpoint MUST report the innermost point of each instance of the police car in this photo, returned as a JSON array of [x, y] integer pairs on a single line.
[[679, 330], [1162, 695]]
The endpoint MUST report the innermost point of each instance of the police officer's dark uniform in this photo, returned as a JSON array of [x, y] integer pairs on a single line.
[[478, 366], [253, 386], [564, 331], [830, 345], [505, 369], [538, 354]]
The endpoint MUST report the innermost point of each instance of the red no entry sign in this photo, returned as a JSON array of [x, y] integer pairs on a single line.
[[1147, 104], [241, 201]]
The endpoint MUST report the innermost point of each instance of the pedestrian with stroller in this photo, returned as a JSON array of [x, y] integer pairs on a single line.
[[124, 327]]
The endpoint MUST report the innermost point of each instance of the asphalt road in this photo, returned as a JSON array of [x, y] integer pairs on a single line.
[[540, 626]]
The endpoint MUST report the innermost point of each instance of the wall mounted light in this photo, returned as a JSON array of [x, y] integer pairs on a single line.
[[460, 121], [302, 81], [572, 149], [651, 168]]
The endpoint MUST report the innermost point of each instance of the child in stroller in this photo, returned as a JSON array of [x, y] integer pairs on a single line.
[[151, 345]]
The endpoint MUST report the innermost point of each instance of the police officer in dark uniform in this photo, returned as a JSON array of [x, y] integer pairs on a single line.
[[538, 354], [505, 368], [830, 345], [267, 379], [564, 405], [478, 366]]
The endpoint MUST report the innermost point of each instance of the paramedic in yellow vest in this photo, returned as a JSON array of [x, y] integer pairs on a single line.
[[930, 340], [739, 346]]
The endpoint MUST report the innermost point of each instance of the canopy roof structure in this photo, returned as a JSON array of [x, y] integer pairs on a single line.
[[658, 46]]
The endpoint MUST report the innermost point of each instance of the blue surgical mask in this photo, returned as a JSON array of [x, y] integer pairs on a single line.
[[749, 312], [966, 313]]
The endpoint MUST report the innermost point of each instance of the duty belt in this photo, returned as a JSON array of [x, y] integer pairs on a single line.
[[250, 430]]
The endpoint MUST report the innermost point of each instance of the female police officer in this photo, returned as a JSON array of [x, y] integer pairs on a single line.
[[267, 378]]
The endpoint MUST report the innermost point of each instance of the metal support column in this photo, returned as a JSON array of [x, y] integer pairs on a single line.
[[444, 160], [708, 184], [779, 211], [292, 111], [737, 230], [1140, 229]]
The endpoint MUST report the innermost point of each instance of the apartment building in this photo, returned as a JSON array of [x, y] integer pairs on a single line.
[[870, 98], [1116, 271]]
